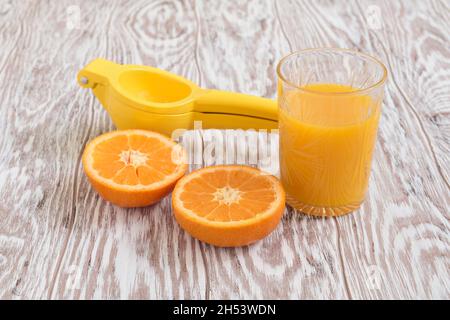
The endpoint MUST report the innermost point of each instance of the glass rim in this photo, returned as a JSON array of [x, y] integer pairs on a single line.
[[335, 50]]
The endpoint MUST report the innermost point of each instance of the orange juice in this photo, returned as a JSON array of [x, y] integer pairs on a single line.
[[326, 144]]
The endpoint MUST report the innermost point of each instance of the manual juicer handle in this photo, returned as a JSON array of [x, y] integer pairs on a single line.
[[216, 101]]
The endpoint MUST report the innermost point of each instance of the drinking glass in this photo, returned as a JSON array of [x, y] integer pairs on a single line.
[[329, 108]]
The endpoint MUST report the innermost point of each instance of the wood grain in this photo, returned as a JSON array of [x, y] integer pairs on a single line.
[[58, 239]]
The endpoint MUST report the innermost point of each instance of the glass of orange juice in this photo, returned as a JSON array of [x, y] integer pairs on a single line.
[[329, 108]]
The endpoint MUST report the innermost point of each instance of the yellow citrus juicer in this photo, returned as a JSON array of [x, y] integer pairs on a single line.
[[142, 97]]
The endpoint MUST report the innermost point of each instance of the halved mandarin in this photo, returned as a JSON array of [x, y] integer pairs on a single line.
[[228, 206], [133, 168]]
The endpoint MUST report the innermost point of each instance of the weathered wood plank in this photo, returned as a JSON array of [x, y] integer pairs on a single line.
[[402, 230], [137, 253], [292, 262]]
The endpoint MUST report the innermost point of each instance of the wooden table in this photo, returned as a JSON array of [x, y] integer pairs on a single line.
[[58, 239]]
